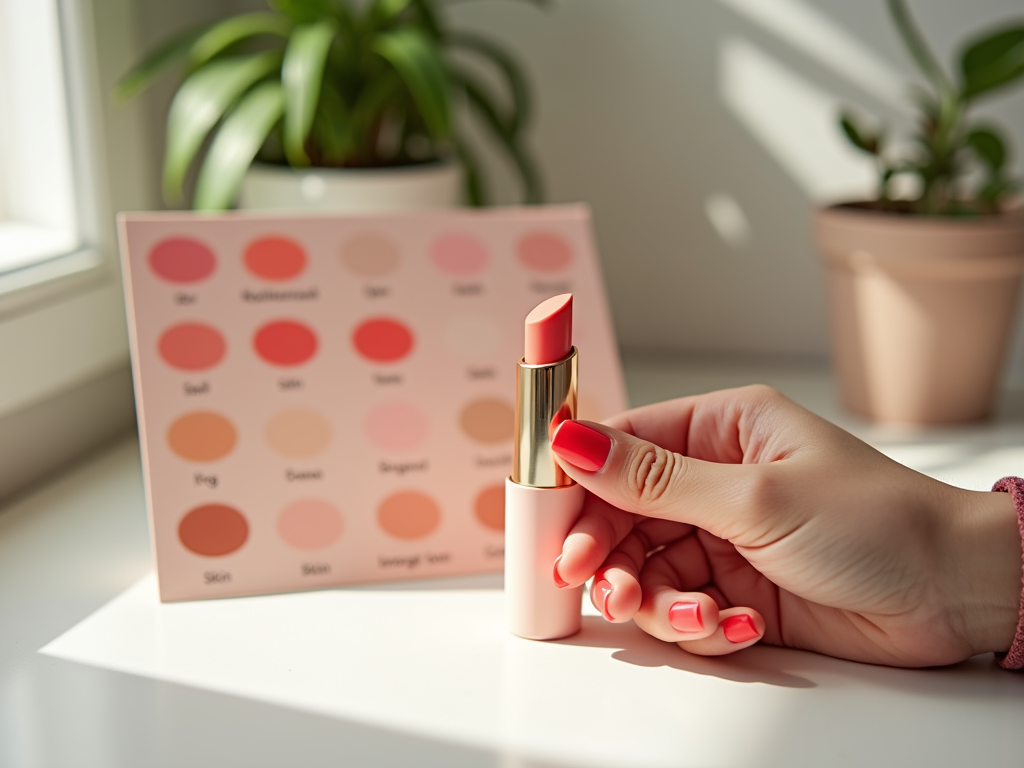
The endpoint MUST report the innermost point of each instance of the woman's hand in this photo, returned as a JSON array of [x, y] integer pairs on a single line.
[[717, 520]]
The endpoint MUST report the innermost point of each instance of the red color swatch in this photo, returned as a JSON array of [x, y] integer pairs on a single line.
[[382, 340], [275, 258], [192, 346], [285, 342], [213, 530]]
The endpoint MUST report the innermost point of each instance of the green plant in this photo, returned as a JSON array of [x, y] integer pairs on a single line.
[[962, 165], [331, 83]]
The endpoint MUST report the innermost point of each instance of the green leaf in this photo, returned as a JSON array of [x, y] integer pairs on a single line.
[[386, 11], [428, 17], [989, 146], [416, 58], [857, 137], [481, 102], [307, 11], [332, 133], [236, 144], [148, 71], [230, 31], [200, 102], [992, 61], [521, 111], [302, 74]]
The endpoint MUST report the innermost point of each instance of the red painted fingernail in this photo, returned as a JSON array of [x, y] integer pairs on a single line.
[[684, 616], [559, 581], [739, 629], [581, 446], [604, 591]]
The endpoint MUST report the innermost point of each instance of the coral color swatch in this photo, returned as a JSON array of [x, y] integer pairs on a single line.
[[329, 400]]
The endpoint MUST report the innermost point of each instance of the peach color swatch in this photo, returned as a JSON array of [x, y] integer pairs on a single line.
[[329, 400]]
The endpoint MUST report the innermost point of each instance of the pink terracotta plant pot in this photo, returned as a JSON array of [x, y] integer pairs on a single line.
[[921, 309]]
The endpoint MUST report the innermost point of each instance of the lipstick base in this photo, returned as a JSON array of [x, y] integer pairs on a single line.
[[537, 520]]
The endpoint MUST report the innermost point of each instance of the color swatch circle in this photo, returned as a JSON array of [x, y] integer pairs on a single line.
[[473, 336], [285, 342], [396, 426], [213, 530], [489, 507], [382, 340], [182, 260], [202, 436], [370, 255], [459, 254], [298, 432], [409, 515], [274, 258], [544, 252], [488, 420], [309, 524], [191, 346]]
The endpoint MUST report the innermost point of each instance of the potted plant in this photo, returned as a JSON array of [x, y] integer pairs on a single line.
[[322, 93], [923, 286]]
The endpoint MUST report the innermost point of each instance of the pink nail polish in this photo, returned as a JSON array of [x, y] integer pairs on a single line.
[[684, 616], [559, 581], [739, 629], [581, 446], [604, 591]]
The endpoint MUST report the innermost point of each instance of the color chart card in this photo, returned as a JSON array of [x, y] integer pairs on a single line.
[[327, 400]]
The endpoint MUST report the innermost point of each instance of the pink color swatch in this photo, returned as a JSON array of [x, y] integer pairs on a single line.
[[329, 400], [182, 260], [544, 252], [310, 524], [459, 254]]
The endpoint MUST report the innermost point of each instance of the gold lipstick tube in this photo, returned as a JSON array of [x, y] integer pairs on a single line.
[[545, 397]]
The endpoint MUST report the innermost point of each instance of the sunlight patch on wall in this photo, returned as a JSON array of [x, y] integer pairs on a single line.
[[812, 33], [794, 120]]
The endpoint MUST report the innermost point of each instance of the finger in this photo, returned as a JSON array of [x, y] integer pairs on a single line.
[[675, 603], [717, 426], [598, 530], [644, 478], [616, 590], [737, 628]]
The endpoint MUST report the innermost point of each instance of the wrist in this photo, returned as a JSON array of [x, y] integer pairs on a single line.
[[983, 553]]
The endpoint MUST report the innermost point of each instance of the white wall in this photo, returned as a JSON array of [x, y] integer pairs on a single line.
[[651, 109], [657, 111]]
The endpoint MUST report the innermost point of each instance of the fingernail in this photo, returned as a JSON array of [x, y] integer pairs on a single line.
[[739, 629], [604, 591], [581, 446], [559, 581], [684, 616]]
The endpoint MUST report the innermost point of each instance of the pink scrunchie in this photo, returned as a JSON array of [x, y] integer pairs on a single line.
[[1014, 658]]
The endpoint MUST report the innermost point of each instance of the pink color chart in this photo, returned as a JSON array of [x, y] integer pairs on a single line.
[[328, 400]]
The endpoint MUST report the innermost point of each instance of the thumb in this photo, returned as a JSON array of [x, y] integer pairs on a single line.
[[643, 478]]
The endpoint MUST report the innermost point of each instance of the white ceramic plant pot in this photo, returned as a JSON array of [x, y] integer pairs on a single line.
[[352, 190]]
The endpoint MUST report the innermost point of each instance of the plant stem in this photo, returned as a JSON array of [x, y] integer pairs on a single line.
[[918, 47]]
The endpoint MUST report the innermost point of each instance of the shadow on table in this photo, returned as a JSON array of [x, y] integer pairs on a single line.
[[977, 678], [634, 646]]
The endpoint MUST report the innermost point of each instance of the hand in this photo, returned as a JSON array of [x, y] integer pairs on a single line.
[[719, 520]]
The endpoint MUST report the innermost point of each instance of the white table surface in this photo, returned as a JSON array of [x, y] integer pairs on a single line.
[[95, 672]]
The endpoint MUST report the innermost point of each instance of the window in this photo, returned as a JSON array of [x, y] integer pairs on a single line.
[[64, 382]]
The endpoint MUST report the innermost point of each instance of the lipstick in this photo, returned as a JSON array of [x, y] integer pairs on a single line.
[[541, 501]]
